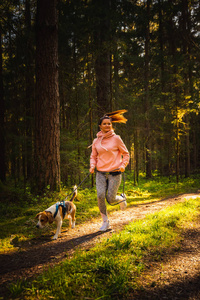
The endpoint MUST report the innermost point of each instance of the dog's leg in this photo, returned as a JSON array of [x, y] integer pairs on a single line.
[[73, 218], [73, 224], [70, 221], [59, 225]]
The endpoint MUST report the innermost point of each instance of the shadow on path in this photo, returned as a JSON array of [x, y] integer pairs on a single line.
[[186, 289], [32, 257]]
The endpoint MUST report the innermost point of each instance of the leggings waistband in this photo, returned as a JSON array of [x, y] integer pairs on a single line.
[[110, 173]]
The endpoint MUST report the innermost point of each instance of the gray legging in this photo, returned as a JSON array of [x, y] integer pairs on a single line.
[[107, 186]]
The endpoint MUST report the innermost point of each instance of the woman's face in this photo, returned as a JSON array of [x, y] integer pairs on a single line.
[[106, 125]]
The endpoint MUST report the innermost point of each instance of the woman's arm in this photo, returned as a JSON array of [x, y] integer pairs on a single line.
[[93, 159], [125, 154]]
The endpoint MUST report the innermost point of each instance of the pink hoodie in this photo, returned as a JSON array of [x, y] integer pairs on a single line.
[[108, 152]]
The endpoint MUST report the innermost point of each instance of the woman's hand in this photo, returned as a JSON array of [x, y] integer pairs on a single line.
[[91, 170], [122, 169]]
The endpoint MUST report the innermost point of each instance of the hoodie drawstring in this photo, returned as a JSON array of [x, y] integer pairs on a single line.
[[101, 144]]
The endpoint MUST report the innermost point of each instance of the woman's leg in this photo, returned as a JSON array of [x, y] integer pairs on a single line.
[[101, 186], [113, 186]]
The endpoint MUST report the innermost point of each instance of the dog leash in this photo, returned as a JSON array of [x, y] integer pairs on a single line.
[[123, 182], [78, 185]]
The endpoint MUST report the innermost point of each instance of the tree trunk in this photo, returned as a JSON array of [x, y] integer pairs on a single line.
[[78, 133], [186, 51], [116, 89], [47, 127], [187, 148], [102, 69], [2, 125], [136, 154], [162, 66], [146, 87], [30, 93], [163, 139], [90, 108], [62, 101], [175, 90], [102, 63]]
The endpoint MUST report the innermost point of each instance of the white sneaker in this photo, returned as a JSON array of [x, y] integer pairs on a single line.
[[105, 226], [123, 204]]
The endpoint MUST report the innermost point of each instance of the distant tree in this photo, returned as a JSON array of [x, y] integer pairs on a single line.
[[185, 27], [47, 126], [146, 88], [138, 55], [102, 54], [2, 118], [29, 91]]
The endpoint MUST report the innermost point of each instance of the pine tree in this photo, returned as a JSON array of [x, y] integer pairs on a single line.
[[47, 126]]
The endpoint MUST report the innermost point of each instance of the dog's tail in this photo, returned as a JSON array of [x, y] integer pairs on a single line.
[[74, 194]]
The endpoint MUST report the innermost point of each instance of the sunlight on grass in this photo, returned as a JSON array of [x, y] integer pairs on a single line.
[[6, 245], [94, 210], [111, 268], [19, 217]]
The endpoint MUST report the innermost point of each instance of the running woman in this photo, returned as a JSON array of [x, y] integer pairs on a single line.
[[110, 157]]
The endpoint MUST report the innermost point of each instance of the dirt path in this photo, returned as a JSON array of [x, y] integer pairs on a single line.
[[178, 275], [40, 254]]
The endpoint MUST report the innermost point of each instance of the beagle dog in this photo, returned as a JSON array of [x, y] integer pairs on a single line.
[[57, 212]]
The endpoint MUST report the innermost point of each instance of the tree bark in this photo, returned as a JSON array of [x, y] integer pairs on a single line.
[[102, 63], [47, 127], [186, 51], [30, 93], [2, 125], [90, 108], [146, 87]]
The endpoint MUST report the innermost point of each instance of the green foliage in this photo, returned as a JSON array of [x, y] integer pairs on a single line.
[[158, 187], [74, 157], [173, 83]]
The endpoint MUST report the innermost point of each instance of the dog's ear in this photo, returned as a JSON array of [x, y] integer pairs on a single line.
[[37, 216], [50, 217]]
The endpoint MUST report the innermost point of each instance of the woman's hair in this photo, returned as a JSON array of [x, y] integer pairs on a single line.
[[115, 116]]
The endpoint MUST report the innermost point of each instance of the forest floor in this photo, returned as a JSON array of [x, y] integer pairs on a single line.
[[177, 276]]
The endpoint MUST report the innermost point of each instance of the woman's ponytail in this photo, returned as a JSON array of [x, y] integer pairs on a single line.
[[117, 116]]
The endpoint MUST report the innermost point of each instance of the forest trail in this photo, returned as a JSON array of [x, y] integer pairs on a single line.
[[43, 253]]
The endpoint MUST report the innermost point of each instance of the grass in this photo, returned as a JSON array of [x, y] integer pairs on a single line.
[[110, 269], [19, 207]]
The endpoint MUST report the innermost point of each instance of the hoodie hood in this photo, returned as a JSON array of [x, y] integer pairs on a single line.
[[101, 135], [106, 135]]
